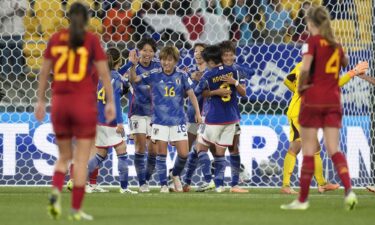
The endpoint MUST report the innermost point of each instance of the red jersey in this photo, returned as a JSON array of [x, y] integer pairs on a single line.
[[74, 72], [324, 74]]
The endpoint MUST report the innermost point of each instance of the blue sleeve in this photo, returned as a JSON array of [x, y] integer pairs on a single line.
[[148, 79], [125, 86], [187, 82], [123, 69], [117, 91], [202, 85]]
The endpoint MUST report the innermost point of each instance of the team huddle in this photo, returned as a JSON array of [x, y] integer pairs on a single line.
[[157, 118]]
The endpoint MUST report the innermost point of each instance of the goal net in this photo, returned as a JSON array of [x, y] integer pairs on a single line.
[[268, 35]]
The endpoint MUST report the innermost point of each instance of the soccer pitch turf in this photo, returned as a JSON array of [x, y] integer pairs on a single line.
[[27, 205]]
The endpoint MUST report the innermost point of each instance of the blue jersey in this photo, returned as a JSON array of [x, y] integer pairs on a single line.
[[190, 109], [221, 110], [244, 73], [168, 93], [117, 85], [140, 95]]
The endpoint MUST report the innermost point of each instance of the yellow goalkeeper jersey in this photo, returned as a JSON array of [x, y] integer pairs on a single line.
[[291, 81]]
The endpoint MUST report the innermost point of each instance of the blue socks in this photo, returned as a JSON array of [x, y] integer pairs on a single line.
[[95, 162], [205, 163], [161, 168], [235, 164], [179, 165], [140, 168], [123, 170], [192, 163], [150, 168], [220, 164]]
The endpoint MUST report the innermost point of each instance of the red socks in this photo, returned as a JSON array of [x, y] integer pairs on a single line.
[[94, 175], [77, 197], [341, 165], [58, 180], [307, 173]]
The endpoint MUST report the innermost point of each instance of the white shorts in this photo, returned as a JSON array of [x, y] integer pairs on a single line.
[[193, 128], [140, 125], [169, 133], [107, 137], [217, 134], [238, 129]]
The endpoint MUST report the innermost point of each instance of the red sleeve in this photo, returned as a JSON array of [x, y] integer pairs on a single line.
[[98, 51], [47, 52], [309, 47]]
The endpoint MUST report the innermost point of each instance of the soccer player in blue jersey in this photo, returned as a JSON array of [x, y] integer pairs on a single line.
[[140, 112], [168, 89], [195, 73], [228, 55], [111, 134], [221, 116]]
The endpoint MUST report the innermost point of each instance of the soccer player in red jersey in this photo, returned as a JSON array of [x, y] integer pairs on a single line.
[[322, 60], [72, 55]]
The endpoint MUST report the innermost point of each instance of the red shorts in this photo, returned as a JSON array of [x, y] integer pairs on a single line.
[[320, 117], [74, 116]]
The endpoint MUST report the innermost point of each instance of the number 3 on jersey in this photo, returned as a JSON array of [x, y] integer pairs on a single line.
[[68, 56], [228, 97]]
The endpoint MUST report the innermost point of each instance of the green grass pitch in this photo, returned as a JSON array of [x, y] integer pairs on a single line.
[[27, 205]]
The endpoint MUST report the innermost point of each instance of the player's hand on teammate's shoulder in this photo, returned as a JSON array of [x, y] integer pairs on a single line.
[[110, 111], [40, 110], [229, 80], [133, 57]]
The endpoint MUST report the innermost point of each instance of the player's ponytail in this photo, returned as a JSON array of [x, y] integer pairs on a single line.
[[78, 17], [114, 57], [321, 19]]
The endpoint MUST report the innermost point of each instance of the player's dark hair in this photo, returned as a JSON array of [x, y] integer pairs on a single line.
[[227, 46], [169, 51], [114, 57], [320, 17], [212, 53], [147, 41], [78, 17], [203, 45]]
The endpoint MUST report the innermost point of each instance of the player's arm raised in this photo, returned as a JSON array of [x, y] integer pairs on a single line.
[[132, 74], [358, 70], [40, 108], [195, 104]]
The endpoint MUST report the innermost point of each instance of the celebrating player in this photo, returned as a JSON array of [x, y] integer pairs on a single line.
[[140, 113], [192, 127], [71, 54], [168, 89], [320, 105], [228, 55], [111, 134], [291, 81], [221, 118]]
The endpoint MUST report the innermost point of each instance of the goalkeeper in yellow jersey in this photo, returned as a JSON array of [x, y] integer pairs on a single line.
[[295, 139]]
